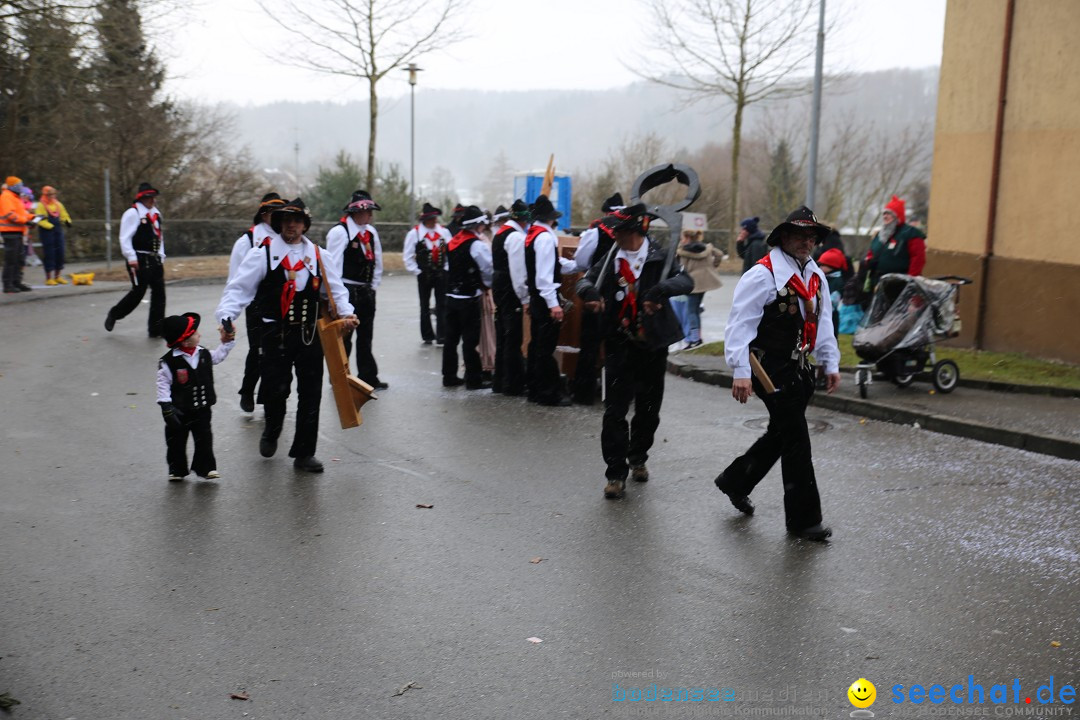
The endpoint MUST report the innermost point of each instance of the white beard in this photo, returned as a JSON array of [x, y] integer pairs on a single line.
[[887, 231]]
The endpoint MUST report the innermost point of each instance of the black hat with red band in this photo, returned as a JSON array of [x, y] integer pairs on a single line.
[[175, 329]]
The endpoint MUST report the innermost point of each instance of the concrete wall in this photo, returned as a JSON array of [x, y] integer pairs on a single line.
[[1035, 271]]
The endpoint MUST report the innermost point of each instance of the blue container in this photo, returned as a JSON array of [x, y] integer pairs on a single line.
[[527, 188]]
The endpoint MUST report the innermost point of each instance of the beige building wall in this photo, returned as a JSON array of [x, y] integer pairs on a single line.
[[1035, 269]]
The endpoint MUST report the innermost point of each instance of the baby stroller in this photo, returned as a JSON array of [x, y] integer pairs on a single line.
[[897, 334]]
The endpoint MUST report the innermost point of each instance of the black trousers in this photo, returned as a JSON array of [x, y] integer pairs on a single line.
[[362, 298], [585, 375], [543, 371], [786, 439], [13, 260], [428, 283], [509, 364], [282, 355], [633, 374], [254, 325], [149, 274], [197, 425], [462, 325]]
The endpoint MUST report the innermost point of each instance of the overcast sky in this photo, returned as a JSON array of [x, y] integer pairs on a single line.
[[218, 52]]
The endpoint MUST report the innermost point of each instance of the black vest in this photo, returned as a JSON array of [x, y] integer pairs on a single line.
[[781, 328], [464, 275], [530, 268], [423, 254], [355, 266], [145, 239], [500, 260], [305, 306], [192, 389]]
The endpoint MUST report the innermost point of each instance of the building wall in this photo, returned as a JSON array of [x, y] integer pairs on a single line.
[[1035, 269]]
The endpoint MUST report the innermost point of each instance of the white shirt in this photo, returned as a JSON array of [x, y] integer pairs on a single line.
[[129, 223], [583, 256], [757, 288], [164, 375], [241, 288], [408, 250], [514, 245], [244, 245], [636, 258], [546, 247], [338, 239], [481, 254]]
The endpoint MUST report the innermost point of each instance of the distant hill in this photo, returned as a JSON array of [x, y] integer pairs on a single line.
[[463, 130]]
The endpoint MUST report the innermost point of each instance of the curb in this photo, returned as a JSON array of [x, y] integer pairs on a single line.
[[995, 386], [104, 286], [1042, 444]]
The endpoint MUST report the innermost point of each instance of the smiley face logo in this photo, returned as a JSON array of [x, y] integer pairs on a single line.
[[862, 693]]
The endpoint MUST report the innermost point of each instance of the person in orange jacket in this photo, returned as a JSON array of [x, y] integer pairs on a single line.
[[14, 220]]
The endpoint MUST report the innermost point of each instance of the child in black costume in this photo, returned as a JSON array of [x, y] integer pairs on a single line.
[[185, 392]]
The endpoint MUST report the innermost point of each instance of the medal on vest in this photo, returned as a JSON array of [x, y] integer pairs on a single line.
[[182, 376]]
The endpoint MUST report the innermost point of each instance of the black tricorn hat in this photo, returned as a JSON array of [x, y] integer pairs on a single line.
[[360, 202], [269, 201], [800, 219], [473, 216], [175, 329], [458, 210], [291, 207], [635, 217], [543, 210], [145, 190], [429, 211], [615, 202], [519, 210], [501, 213]]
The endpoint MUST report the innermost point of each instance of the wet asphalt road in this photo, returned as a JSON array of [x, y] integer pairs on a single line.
[[125, 596]]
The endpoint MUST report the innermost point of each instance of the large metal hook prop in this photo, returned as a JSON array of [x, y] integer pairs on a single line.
[[671, 214]]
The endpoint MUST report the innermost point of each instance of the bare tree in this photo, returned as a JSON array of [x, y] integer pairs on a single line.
[[366, 39], [744, 50]]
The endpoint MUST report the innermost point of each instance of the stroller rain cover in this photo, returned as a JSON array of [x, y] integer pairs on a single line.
[[905, 312]]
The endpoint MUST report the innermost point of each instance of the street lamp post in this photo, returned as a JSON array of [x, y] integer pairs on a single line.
[[412, 70], [815, 121]]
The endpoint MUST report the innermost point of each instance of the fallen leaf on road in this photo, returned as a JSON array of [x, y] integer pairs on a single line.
[[7, 702], [335, 459], [536, 560], [862, 421], [240, 696], [211, 609], [1055, 643], [534, 640], [424, 506], [406, 687]]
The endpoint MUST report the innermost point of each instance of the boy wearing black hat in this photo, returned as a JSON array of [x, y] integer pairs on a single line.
[[353, 245], [544, 277], [629, 288], [260, 230], [593, 247], [143, 247], [185, 392], [781, 312], [284, 278], [424, 255], [510, 294], [469, 273]]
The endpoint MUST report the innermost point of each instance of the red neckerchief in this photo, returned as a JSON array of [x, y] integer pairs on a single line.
[[460, 238], [534, 232], [433, 237], [364, 236], [628, 311], [187, 350], [154, 219], [808, 296], [288, 292]]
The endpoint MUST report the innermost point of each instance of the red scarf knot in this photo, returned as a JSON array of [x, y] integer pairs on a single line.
[[364, 237], [629, 309], [288, 292]]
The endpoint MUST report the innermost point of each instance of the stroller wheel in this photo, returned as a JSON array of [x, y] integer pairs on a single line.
[[903, 380], [862, 379], [946, 376]]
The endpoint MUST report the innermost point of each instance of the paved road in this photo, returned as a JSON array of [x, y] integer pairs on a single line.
[[125, 596]]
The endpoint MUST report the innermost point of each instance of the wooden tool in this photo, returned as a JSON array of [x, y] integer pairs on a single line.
[[350, 392], [761, 375]]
